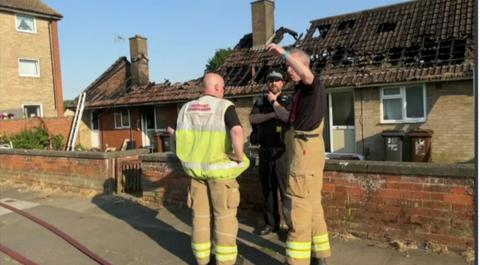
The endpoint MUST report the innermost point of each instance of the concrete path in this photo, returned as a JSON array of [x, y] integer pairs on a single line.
[[125, 232]]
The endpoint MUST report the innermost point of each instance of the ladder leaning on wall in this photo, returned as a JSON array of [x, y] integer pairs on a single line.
[[77, 118]]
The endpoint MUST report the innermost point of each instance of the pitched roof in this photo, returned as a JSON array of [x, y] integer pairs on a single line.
[[424, 40], [34, 6], [113, 88], [110, 85], [420, 40]]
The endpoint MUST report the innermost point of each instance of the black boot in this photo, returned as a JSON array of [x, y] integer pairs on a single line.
[[268, 229]]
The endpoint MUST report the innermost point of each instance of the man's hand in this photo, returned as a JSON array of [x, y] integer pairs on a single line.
[[275, 48], [171, 131], [236, 158], [272, 96]]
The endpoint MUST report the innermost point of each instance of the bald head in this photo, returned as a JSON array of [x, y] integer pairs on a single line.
[[213, 85], [303, 56]]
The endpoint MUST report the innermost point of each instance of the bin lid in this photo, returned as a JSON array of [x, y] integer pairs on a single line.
[[389, 133], [420, 133]]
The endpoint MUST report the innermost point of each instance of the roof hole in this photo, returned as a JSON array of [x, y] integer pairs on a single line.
[[321, 31], [346, 25], [386, 27]]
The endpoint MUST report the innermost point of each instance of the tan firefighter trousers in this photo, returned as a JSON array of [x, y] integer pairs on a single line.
[[307, 234], [220, 198]]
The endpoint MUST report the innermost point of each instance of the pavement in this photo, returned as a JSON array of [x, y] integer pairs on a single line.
[[123, 231]]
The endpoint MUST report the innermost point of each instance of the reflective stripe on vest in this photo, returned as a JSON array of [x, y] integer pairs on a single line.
[[203, 141], [298, 250]]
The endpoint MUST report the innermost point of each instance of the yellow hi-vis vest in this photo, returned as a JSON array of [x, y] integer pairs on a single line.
[[203, 142]]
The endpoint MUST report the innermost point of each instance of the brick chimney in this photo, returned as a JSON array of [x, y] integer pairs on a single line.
[[139, 60], [263, 21]]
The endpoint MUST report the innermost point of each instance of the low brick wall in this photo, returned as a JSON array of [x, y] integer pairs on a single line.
[[415, 202], [68, 170]]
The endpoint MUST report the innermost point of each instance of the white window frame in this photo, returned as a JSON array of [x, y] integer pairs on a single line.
[[115, 119], [34, 31], [32, 104], [37, 61], [403, 97]]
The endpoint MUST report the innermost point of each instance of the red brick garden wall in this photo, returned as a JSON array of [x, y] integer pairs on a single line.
[[415, 202], [53, 125], [75, 171], [384, 201], [405, 207]]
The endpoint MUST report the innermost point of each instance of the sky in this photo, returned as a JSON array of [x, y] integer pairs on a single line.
[[182, 34]]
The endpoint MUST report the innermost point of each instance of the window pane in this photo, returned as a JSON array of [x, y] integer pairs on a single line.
[[414, 102], [118, 119], [160, 118], [28, 67], [125, 120], [31, 111], [342, 109], [391, 91], [392, 109], [25, 23], [94, 121], [149, 117]]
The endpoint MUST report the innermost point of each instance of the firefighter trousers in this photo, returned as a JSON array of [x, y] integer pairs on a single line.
[[307, 236], [219, 198]]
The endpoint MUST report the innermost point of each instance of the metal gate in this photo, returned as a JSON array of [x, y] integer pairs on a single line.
[[129, 176]]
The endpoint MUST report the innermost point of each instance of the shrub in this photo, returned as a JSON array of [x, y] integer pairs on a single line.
[[36, 138], [57, 142], [4, 139]]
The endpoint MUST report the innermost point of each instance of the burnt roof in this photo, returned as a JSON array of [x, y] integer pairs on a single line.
[[32, 6], [421, 40], [113, 88], [424, 40]]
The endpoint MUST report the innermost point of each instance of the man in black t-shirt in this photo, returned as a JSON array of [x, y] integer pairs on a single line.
[[270, 133], [307, 239]]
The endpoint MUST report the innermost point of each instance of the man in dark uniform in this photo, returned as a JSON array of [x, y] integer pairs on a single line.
[[267, 115]]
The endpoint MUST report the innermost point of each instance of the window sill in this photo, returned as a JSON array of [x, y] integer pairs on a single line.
[[29, 76], [401, 122]]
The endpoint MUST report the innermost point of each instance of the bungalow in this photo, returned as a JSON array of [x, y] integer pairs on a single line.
[[399, 67]]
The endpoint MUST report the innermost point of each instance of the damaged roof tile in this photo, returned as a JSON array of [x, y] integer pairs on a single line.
[[422, 40]]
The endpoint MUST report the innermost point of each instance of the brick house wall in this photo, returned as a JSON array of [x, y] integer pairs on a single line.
[[414, 202], [450, 114], [113, 137], [26, 90]]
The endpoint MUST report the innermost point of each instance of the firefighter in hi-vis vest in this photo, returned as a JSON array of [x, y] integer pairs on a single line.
[[210, 142], [307, 239]]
